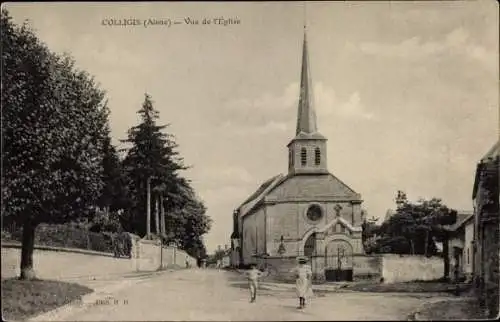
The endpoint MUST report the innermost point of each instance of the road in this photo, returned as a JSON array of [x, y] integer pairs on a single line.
[[212, 295]]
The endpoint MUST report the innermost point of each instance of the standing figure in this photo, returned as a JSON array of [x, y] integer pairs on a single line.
[[253, 281], [303, 282]]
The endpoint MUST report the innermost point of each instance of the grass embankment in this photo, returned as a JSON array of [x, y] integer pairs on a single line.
[[24, 299], [464, 309], [436, 286]]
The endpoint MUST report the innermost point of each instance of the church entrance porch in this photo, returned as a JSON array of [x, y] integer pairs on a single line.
[[338, 261]]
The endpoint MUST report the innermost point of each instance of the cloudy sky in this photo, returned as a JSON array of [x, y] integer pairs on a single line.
[[406, 93]]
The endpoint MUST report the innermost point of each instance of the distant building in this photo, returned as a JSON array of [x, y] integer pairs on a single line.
[[308, 212], [460, 245], [485, 196]]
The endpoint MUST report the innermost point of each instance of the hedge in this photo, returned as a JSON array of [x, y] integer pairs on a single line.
[[68, 236]]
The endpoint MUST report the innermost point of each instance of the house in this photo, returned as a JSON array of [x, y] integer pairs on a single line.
[[460, 245], [307, 212], [485, 196]]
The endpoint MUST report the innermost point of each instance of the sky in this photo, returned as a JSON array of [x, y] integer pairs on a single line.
[[405, 92]]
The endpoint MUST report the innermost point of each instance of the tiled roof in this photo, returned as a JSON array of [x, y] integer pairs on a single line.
[[262, 187], [258, 195], [493, 152], [463, 216]]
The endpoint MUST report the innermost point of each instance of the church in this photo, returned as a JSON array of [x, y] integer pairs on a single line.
[[307, 212]]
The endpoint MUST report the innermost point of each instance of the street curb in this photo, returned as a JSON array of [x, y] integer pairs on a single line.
[[88, 300], [58, 249]]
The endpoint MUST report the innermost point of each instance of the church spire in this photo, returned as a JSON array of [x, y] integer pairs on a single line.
[[307, 150], [306, 118]]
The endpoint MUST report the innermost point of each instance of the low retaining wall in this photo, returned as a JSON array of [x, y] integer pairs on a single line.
[[397, 268], [391, 267], [148, 255]]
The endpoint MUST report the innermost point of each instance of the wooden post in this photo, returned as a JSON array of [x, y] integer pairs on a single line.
[[148, 209]]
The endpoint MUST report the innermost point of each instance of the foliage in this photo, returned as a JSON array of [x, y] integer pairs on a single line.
[[53, 131], [152, 155], [69, 235], [114, 194], [105, 221], [415, 227]]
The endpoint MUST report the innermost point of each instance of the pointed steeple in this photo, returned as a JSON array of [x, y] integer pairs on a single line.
[[306, 118], [307, 150]]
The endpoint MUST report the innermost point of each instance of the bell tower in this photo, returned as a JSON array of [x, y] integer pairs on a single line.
[[307, 150]]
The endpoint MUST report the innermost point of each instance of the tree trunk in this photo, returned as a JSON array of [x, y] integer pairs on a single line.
[[157, 215], [28, 245], [412, 246], [426, 242], [162, 212], [148, 209]]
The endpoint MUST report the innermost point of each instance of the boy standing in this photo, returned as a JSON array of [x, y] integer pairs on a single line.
[[253, 281]]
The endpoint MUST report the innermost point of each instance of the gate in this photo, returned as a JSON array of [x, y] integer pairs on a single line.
[[338, 261]]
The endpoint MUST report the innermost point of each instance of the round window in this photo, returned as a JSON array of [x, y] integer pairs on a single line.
[[314, 213]]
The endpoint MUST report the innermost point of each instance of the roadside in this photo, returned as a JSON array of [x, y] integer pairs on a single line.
[[22, 299], [66, 281], [464, 308]]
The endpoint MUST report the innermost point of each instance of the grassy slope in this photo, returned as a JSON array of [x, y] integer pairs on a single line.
[[23, 299]]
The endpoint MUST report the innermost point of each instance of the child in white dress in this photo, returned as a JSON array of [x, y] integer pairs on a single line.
[[303, 282]]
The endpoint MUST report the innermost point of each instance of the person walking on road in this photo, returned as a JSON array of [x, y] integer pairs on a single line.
[[303, 282], [253, 281]]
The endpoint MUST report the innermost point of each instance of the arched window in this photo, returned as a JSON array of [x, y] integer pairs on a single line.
[[317, 156], [290, 157], [303, 156]]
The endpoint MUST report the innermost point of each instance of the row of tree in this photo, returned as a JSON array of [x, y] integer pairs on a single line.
[[59, 163], [413, 229]]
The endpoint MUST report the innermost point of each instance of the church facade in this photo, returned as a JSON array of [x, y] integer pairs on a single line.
[[307, 212]]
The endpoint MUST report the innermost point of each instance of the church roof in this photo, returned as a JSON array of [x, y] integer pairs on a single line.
[[306, 120], [463, 216], [259, 194]]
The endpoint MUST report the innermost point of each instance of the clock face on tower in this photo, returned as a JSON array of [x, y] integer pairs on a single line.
[[314, 213]]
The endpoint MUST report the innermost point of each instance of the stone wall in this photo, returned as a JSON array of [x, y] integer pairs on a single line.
[[147, 255], [367, 267], [396, 268]]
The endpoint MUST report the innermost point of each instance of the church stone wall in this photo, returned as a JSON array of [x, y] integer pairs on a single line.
[[254, 235], [348, 212]]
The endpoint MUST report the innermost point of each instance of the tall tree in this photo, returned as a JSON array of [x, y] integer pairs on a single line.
[[114, 194], [416, 226], [53, 131], [152, 156]]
